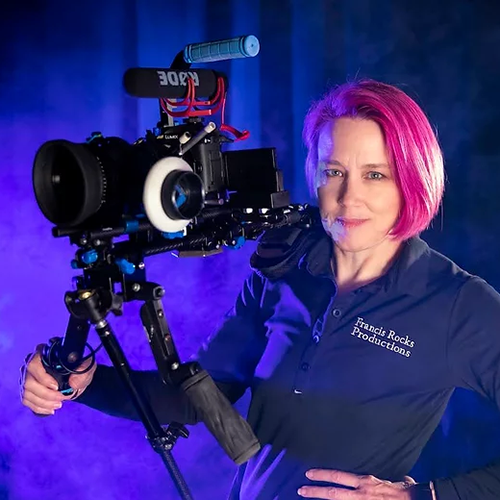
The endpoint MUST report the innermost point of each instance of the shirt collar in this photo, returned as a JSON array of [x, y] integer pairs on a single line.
[[409, 272]]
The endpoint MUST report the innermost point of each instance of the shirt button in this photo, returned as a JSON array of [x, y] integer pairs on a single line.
[[336, 312], [305, 366]]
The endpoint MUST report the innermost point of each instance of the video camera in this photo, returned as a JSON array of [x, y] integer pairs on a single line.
[[175, 189]]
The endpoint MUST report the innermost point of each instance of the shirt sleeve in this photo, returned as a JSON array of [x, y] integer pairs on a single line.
[[474, 359], [232, 353], [229, 356]]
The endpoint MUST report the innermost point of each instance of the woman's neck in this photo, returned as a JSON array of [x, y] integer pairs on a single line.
[[355, 269]]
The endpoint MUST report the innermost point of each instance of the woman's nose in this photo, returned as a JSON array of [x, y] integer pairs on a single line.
[[350, 193]]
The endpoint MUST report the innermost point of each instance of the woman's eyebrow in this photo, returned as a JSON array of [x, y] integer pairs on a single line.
[[335, 163]]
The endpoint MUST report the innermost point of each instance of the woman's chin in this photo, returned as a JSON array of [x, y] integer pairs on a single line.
[[357, 243], [351, 243], [351, 246]]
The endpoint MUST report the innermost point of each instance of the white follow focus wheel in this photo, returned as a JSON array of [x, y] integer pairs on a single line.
[[151, 196]]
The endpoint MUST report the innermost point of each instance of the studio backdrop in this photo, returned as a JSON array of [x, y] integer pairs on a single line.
[[61, 68]]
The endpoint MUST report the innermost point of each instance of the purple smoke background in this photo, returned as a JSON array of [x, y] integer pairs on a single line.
[[60, 77]]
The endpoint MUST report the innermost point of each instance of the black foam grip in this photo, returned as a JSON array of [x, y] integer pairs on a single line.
[[228, 427]]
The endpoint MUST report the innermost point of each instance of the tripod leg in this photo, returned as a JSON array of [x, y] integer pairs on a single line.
[[160, 440]]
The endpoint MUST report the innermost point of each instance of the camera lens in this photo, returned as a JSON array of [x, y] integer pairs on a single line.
[[182, 195], [68, 182], [98, 183], [173, 194]]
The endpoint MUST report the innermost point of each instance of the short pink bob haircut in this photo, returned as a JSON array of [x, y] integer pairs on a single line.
[[412, 146]]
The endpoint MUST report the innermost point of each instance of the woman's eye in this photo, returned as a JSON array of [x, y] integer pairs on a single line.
[[375, 175], [331, 172]]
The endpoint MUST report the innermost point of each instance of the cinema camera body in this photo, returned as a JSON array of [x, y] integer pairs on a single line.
[[175, 189]]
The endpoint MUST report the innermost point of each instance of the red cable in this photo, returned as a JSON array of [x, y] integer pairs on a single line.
[[192, 107]]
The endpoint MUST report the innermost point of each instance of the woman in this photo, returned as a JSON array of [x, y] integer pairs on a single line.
[[353, 353]]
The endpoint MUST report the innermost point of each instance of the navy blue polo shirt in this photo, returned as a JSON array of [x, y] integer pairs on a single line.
[[355, 382]]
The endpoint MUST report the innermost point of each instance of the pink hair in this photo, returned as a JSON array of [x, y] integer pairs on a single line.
[[412, 146]]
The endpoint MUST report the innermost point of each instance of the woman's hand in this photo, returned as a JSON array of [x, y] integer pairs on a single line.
[[39, 390], [364, 487]]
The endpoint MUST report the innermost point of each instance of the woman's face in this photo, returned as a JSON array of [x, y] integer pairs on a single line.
[[358, 196]]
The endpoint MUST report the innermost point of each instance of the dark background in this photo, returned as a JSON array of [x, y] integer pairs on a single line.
[[61, 65]]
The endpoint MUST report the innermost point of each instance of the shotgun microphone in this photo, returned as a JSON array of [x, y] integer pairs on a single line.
[[169, 83]]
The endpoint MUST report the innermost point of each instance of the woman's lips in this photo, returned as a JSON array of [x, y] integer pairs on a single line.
[[351, 222]]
